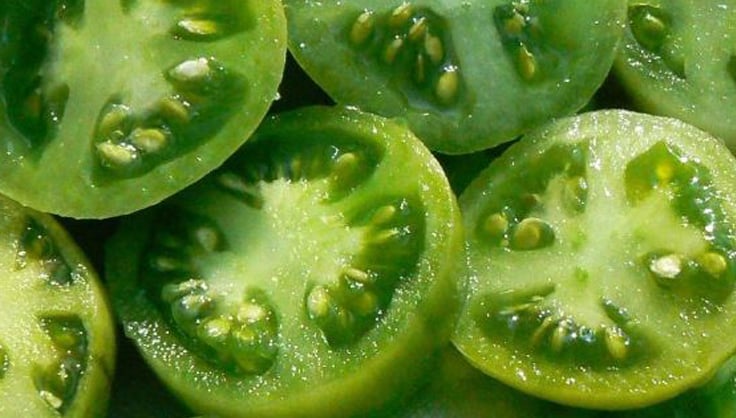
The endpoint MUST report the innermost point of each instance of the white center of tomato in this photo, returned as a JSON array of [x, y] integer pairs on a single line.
[[296, 239]]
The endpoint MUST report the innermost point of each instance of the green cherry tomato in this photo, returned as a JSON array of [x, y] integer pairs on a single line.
[[57, 339], [466, 75], [602, 254], [109, 106], [312, 275]]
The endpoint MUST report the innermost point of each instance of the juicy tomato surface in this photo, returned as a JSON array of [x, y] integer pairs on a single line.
[[57, 339], [109, 106], [602, 261], [611, 259], [678, 60], [466, 75], [313, 274]]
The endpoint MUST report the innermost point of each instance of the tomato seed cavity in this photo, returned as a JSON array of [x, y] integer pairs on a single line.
[[417, 40], [651, 27], [57, 382]]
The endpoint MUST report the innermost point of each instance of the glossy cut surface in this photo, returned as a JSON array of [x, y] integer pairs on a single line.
[[308, 276], [601, 253], [466, 75], [107, 107], [57, 338], [678, 60]]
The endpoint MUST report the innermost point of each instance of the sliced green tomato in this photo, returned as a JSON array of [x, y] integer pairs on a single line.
[[57, 339], [312, 275], [603, 261], [107, 107], [679, 60], [466, 75]]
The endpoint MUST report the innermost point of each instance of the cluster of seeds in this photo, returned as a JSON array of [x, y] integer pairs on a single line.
[[670, 269], [131, 141], [121, 143], [57, 382], [521, 34], [344, 165], [540, 326], [36, 245], [662, 169], [245, 335], [414, 38], [651, 26], [509, 221], [32, 108], [240, 336], [350, 306], [181, 237]]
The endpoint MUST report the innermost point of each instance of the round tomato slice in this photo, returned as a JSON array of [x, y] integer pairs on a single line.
[[602, 258], [311, 275], [107, 107]]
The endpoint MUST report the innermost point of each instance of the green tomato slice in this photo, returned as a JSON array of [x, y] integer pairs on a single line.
[[312, 275], [466, 75], [603, 261], [107, 107], [57, 338], [679, 60]]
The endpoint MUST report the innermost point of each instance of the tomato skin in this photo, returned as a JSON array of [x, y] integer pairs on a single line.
[[313, 377]]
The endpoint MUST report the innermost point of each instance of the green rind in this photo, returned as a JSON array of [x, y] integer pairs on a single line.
[[335, 382], [61, 181], [498, 105], [86, 298], [704, 30], [689, 351]]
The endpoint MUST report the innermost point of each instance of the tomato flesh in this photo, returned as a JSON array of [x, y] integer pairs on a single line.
[[57, 340], [466, 75]]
